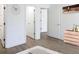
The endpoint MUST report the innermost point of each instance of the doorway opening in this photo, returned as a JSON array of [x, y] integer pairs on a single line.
[[30, 22], [43, 22]]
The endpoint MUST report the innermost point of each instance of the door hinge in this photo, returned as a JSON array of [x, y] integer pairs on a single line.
[[4, 7], [34, 10], [4, 23], [4, 39], [34, 33]]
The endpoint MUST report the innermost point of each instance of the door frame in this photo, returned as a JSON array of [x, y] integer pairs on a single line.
[[3, 25]]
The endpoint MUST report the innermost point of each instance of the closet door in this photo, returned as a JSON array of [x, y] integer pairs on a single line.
[[56, 27], [2, 24], [56, 22], [53, 22]]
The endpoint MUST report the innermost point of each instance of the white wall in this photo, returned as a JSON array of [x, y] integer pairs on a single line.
[[66, 20], [15, 28], [39, 5]]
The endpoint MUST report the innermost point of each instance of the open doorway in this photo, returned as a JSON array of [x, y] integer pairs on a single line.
[[43, 22], [30, 22]]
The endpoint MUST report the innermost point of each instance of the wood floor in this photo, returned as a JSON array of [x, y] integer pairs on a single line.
[[45, 41]]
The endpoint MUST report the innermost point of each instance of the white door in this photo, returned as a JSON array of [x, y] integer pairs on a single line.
[[15, 21], [44, 20], [55, 28], [53, 22], [2, 24], [30, 20], [56, 24]]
